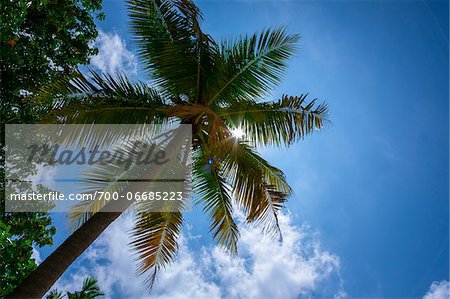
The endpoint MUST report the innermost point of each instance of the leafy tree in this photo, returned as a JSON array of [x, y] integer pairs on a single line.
[[216, 87], [16, 261], [89, 290], [40, 40], [20, 231]]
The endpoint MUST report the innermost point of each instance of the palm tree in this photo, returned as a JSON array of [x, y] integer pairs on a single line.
[[89, 290], [215, 87], [55, 294]]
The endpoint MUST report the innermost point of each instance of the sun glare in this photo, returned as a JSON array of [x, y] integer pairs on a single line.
[[237, 133]]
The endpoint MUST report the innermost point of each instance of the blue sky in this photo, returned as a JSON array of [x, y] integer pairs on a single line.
[[373, 186]]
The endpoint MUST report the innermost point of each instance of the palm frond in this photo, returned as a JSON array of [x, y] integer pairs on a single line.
[[214, 193], [80, 99], [55, 294], [170, 42], [258, 187], [102, 99], [280, 123], [113, 178], [251, 65], [266, 213], [90, 289], [155, 239]]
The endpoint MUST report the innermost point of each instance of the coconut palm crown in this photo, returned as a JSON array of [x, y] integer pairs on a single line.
[[217, 87]]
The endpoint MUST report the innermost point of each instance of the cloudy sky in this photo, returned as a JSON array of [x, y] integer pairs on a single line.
[[369, 217]]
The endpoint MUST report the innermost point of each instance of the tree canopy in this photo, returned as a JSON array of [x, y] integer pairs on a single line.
[[40, 41]]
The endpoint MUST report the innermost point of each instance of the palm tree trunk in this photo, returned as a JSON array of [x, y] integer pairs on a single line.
[[48, 272]]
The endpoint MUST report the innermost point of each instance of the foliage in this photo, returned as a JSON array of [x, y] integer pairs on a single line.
[[20, 232], [39, 41], [16, 259], [89, 290], [216, 87]]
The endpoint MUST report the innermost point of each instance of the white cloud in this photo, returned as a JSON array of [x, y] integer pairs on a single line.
[[268, 269], [263, 269], [113, 55], [36, 256], [44, 175], [438, 290]]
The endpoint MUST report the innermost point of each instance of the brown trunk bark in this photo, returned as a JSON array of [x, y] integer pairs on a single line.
[[41, 279]]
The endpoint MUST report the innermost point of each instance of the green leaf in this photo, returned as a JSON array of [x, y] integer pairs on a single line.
[[215, 195], [251, 66], [155, 239], [170, 42], [280, 123]]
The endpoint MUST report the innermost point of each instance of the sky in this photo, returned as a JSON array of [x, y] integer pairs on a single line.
[[369, 217]]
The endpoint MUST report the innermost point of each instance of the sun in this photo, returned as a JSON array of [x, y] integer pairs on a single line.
[[237, 133]]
